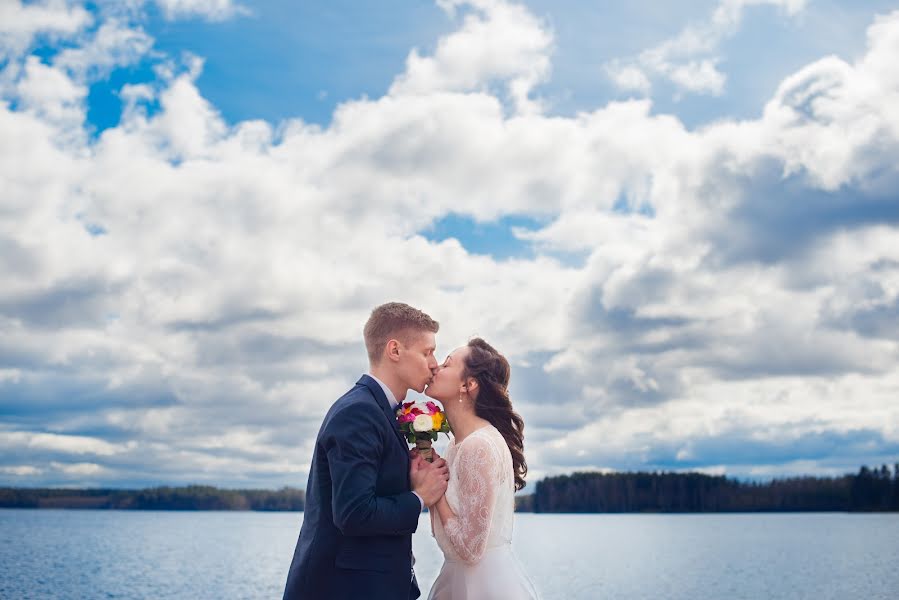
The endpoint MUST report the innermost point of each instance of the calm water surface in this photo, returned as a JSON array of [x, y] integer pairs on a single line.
[[224, 555]]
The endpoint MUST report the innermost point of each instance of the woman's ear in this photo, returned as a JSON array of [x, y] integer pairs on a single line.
[[471, 386]]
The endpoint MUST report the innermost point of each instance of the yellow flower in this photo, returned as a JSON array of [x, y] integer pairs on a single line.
[[438, 421]]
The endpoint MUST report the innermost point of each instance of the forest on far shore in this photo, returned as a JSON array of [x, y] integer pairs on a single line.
[[871, 489], [193, 497]]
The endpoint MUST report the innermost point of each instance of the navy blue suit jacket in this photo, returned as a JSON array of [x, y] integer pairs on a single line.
[[356, 538]]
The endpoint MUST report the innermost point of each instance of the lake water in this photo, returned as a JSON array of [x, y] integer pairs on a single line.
[[235, 555]]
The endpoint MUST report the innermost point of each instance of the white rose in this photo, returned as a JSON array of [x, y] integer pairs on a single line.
[[423, 423]]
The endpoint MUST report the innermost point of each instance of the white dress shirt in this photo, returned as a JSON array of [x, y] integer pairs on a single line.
[[387, 392]]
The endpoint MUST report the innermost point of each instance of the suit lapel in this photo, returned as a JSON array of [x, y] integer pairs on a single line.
[[382, 401]]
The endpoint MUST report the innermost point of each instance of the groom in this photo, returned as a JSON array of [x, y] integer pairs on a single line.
[[365, 494]]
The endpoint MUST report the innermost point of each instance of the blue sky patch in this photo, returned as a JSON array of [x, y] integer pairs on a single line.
[[494, 238], [104, 97], [300, 59]]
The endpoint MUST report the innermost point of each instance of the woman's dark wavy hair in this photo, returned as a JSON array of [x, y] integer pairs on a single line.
[[492, 371]]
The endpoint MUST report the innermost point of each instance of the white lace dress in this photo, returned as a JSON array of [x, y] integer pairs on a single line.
[[477, 543]]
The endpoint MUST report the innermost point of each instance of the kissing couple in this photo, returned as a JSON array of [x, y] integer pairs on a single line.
[[366, 489]]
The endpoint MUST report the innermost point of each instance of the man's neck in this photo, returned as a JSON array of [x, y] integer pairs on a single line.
[[390, 380]]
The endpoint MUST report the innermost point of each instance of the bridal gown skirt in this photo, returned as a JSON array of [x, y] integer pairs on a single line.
[[497, 576]]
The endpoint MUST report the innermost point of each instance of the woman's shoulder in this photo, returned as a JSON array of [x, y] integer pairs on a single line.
[[492, 433], [482, 440], [482, 434]]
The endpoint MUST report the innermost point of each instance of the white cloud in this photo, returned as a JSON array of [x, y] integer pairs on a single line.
[[50, 94], [730, 12], [700, 76], [21, 470], [848, 113], [70, 444], [498, 41], [214, 10], [79, 469], [628, 77], [20, 23], [114, 44], [690, 60], [10, 375]]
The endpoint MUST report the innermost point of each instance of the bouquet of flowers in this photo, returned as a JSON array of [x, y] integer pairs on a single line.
[[421, 422]]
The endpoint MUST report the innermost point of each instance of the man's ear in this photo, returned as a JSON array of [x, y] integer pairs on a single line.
[[392, 350]]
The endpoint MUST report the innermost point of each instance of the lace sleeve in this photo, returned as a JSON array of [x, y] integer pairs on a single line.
[[476, 468]]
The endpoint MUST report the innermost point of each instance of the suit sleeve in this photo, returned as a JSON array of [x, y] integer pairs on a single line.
[[354, 444]]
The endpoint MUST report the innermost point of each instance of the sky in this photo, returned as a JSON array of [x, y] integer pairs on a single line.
[[679, 221]]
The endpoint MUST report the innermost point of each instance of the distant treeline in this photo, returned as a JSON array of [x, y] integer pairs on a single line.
[[874, 489], [194, 497]]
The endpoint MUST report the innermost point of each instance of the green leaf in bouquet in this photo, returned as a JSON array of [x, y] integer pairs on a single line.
[[433, 436], [410, 437]]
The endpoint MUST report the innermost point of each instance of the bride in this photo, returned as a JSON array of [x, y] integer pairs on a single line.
[[472, 522]]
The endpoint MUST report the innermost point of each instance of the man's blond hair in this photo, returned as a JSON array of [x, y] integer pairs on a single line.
[[394, 321]]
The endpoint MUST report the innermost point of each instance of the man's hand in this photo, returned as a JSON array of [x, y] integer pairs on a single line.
[[414, 454], [429, 479]]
